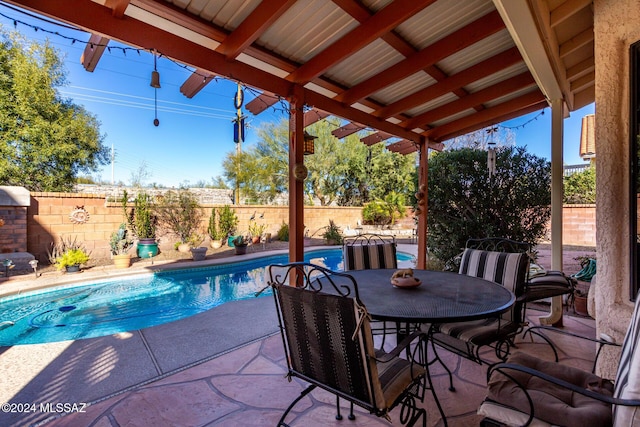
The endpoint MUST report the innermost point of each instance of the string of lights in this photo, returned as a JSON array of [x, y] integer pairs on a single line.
[[283, 104]]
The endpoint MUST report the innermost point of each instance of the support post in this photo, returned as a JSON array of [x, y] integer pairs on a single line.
[[557, 193], [423, 168], [296, 175]]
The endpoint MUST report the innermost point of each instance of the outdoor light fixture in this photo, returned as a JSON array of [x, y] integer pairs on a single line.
[[34, 264], [307, 146], [155, 84], [491, 159]]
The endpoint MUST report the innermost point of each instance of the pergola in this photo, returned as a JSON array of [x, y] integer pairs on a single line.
[[419, 72]]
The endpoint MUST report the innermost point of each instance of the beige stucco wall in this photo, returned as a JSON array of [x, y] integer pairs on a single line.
[[616, 27]]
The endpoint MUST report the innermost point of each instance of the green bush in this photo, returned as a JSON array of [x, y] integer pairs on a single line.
[[72, 257], [580, 187], [283, 232], [180, 212], [464, 202], [227, 222], [212, 229], [141, 219]]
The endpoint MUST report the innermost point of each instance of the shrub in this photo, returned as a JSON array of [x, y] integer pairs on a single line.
[[71, 257], [283, 232], [180, 212], [142, 221], [212, 229], [228, 222], [465, 202], [332, 234]]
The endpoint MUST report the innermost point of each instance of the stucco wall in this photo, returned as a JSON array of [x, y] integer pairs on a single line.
[[616, 27]]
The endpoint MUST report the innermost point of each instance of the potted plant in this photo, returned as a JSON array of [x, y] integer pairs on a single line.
[[256, 230], [71, 260], [240, 243], [228, 223], [180, 212], [120, 244], [198, 253], [332, 234], [213, 231], [143, 222]]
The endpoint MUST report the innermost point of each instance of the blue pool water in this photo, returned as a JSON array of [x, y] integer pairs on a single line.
[[125, 304]]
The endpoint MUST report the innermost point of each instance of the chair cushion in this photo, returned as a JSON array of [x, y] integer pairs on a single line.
[[395, 376], [553, 404], [364, 257], [478, 332], [551, 284]]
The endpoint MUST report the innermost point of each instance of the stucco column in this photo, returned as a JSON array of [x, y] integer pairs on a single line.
[[557, 127]]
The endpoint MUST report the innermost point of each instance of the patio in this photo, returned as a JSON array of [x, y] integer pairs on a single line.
[[221, 373]]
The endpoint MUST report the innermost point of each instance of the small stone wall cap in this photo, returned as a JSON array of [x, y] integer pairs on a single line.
[[14, 196]]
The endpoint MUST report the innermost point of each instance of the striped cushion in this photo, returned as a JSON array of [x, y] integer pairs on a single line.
[[394, 377], [506, 269], [627, 385], [365, 257]]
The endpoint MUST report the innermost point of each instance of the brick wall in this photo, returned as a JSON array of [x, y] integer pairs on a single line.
[[579, 225], [13, 234], [48, 220]]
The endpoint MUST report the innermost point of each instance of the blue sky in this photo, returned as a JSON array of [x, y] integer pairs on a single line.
[[194, 135]]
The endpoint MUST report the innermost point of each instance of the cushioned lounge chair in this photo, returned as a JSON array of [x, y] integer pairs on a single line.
[[529, 391]]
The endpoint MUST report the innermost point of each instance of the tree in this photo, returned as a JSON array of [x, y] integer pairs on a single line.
[[580, 187], [464, 202], [345, 172], [45, 140]]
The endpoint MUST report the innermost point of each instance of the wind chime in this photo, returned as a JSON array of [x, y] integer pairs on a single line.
[[155, 84]]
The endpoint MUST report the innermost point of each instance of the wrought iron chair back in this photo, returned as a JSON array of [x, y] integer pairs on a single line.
[[328, 342], [369, 251]]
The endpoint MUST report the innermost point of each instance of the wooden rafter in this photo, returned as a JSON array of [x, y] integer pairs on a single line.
[[313, 116], [93, 51], [513, 84], [196, 82], [381, 23], [566, 10], [346, 130], [465, 37], [265, 14]]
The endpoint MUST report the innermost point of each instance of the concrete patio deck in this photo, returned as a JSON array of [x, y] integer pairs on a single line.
[[224, 367]]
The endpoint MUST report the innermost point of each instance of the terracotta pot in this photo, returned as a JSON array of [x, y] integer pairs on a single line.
[[122, 261], [255, 239], [580, 305]]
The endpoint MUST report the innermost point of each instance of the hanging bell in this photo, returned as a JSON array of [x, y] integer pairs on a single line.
[[155, 79]]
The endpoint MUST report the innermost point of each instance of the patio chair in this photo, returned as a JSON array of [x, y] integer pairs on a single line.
[[541, 285], [328, 343], [528, 391], [369, 251], [466, 338]]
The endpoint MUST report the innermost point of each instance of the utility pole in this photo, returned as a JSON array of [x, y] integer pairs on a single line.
[[238, 135], [113, 160]]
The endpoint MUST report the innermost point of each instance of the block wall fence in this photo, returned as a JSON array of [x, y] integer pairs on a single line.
[[48, 219]]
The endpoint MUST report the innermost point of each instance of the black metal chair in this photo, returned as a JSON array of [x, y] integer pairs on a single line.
[[328, 343], [529, 391], [467, 338], [369, 251], [547, 284]]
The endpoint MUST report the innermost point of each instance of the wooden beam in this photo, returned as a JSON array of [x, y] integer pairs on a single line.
[[576, 42], [482, 96], [359, 12], [476, 72], [581, 68], [584, 82], [490, 114], [196, 82], [566, 10], [313, 116], [346, 130], [456, 41], [296, 181], [497, 119], [375, 138], [258, 21], [385, 20], [118, 7], [93, 51]]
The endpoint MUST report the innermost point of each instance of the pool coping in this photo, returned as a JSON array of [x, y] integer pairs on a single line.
[[21, 284]]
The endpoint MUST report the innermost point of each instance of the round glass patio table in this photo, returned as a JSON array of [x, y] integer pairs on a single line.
[[441, 297]]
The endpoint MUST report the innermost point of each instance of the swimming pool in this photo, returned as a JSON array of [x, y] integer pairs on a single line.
[[118, 305]]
